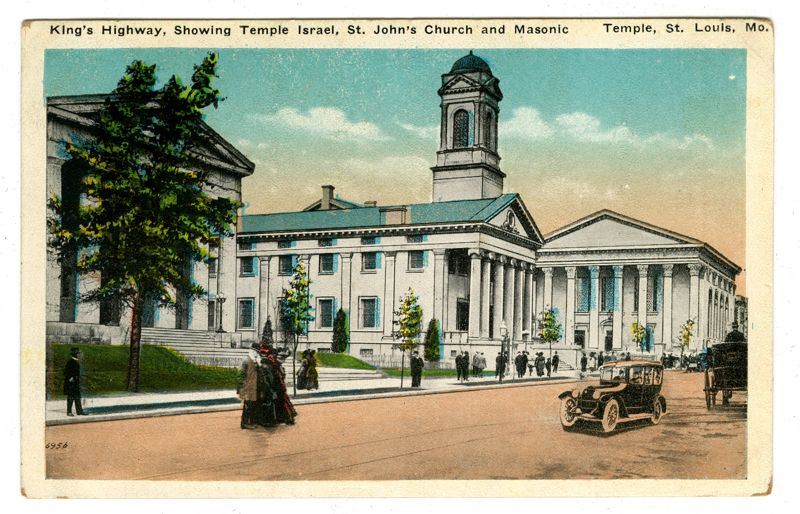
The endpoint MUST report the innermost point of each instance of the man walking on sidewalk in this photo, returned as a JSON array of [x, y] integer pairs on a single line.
[[416, 369], [72, 382], [248, 389]]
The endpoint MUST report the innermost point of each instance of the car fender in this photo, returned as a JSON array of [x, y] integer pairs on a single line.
[[663, 403], [564, 395], [623, 410]]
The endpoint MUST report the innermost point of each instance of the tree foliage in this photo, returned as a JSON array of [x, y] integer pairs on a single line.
[[146, 215], [638, 333], [550, 330], [297, 311], [266, 334], [432, 337], [409, 317], [686, 334], [341, 332]]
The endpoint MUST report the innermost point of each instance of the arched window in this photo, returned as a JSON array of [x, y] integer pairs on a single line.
[[461, 129], [488, 130]]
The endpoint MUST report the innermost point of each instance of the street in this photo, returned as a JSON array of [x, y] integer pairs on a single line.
[[502, 433]]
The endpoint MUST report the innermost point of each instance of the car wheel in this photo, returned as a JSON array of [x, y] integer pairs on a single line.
[[610, 415], [658, 412], [567, 412]]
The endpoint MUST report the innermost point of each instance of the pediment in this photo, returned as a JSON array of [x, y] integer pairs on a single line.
[[459, 82], [516, 220], [607, 230]]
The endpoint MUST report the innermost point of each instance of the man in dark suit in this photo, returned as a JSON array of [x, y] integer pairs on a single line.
[[72, 382], [416, 369], [555, 362]]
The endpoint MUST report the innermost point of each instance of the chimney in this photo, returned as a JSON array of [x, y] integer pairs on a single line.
[[327, 196], [371, 203]]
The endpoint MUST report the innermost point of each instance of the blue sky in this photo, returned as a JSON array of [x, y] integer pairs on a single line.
[[655, 134]]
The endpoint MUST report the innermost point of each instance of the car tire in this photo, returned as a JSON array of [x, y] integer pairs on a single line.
[[658, 412], [610, 415], [566, 412]]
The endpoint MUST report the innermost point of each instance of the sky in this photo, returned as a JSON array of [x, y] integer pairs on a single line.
[[658, 135]]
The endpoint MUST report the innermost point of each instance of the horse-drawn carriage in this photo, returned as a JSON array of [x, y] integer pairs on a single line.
[[726, 371]]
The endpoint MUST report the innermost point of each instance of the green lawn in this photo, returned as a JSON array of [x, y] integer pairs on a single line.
[[105, 370], [340, 360]]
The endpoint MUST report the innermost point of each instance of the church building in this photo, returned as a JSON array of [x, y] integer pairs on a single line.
[[477, 260]]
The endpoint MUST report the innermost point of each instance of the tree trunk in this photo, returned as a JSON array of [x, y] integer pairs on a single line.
[[402, 368], [135, 346]]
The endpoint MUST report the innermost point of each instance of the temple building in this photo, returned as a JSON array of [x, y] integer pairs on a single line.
[[477, 260]]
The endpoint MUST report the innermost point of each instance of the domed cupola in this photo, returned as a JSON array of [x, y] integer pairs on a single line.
[[467, 163]]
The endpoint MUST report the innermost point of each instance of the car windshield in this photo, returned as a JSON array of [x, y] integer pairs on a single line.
[[613, 374]]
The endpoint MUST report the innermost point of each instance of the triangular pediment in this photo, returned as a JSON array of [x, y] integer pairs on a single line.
[[460, 82], [608, 229], [514, 218]]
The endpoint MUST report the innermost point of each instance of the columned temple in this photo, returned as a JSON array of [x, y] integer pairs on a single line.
[[474, 256]]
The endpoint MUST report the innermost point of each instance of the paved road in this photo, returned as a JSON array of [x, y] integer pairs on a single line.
[[486, 434]]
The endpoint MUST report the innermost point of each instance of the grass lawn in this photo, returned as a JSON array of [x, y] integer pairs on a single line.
[[341, 360], [105, 369]]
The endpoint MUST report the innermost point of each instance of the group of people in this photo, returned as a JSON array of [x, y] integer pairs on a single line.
[[262, 390], [462, 366], [594, 361], [307, 375]]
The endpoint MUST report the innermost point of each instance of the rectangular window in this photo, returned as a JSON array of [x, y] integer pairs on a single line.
[[654, 293], [453, 353], [369, 261], [636, 294], [212, 267], [212, 315], [416, 260], [580, 338], [285, 244], [584, 292], [416, 238], [326, 263], [247, 266], [325, 311], [285, 264], [246, 309], [462, 315], [607, 287], [244, 245], [327, 242], [372, 240], [369, 313], [365, 353]]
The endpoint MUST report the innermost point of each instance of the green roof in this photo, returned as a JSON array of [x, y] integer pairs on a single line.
[[374, 217]]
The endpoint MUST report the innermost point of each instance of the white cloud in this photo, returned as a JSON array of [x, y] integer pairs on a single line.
[[326, 122], [431, 133], [526, 123]]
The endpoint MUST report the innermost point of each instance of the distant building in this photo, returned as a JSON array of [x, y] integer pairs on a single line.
[[477, 260], [68, 319], [740, 314]]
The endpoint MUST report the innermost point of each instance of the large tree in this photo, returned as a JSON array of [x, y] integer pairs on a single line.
[[297, 312], [409, 319], [146, 216]]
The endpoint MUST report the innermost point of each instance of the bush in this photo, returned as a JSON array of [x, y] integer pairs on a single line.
[[341, 332], [432, 341]]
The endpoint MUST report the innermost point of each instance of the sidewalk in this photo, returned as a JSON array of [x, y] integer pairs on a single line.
[[140, 405]]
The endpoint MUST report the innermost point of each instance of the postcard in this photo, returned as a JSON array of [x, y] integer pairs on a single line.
[[397, 258]]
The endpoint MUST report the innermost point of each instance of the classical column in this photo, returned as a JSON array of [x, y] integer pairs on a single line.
[[499, 274], [526, 301], [347, 259], [694, 296], [666, 308], [439, 283], [263, 293], [534, 309], [388, 294], [519, 286], [548, 288], [508, 299], [474, 293], [569, 318], [617, 314], [594, 305], [486, 279], [641, 316]]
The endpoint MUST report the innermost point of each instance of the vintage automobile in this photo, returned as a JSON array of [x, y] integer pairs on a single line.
[[628, 391]]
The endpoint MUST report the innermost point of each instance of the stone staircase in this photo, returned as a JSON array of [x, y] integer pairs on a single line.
[[198, 346]]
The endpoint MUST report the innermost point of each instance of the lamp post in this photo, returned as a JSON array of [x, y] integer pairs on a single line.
[[220, 301], [505, 348]]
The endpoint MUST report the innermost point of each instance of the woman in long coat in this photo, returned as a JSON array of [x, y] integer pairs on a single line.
[[248, 389], [284, 410], [302, 373], [312, 376]]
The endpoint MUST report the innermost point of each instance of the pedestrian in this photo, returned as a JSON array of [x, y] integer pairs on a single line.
[[248, 388], [458, 366], [600, 359], [548, 365], [584, 361], [475, 360], [302, 373], [284, 410], [72, 382], [592, 361], [628, 356], [416, 369], [265, 410], [539, 363], [465, 366], [734, 336], [525, 360], [482, 365], [312, 376], [499, 366], [518, 365], [556, 360]]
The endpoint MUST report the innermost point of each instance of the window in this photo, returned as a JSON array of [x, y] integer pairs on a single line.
[[607, 286], [326, 242], [212, 314], [580, 338], [285, 264], [325, 310], [369, 313], [453, 353], [365, 353], [458, 263], [584, 291], [326, 263], [636, 294], [247, 266], [416, 238], [246, 307], [654, 292], [369, 261], [285, 244], [212, 267], [369, 240], [416, 260], [462, 315], [461, 129], [245, 245], [488, 130]]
